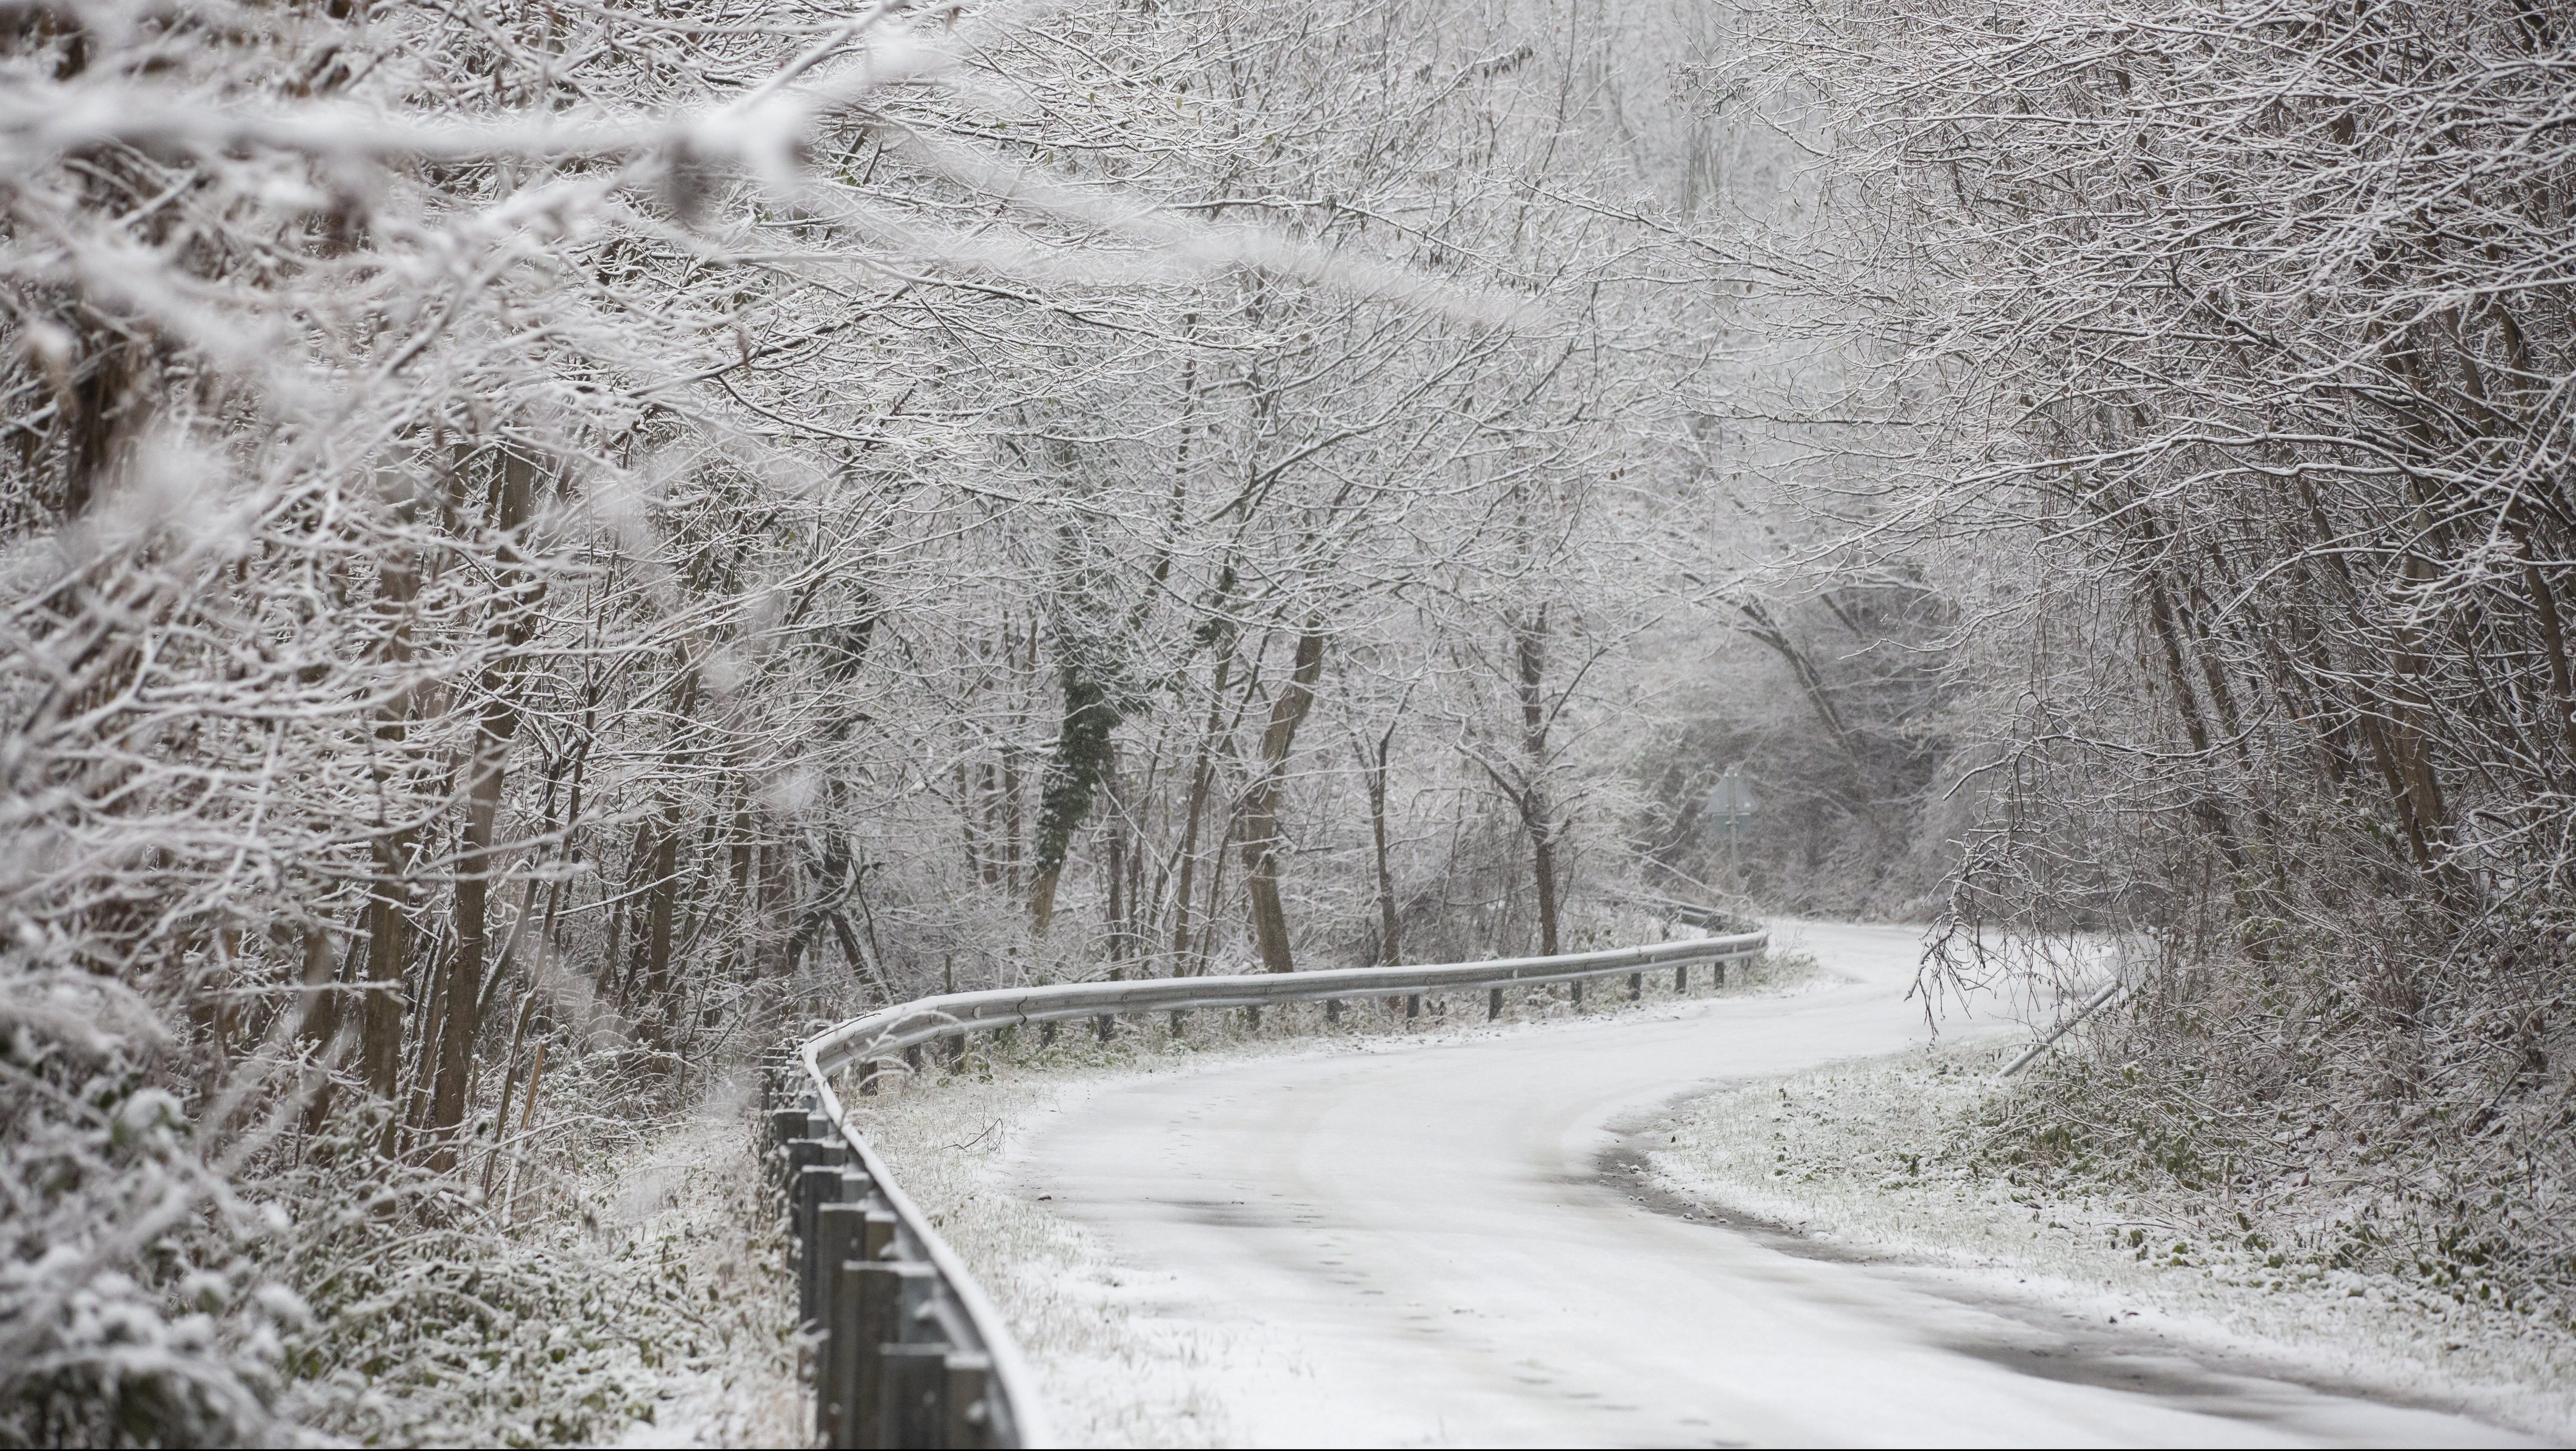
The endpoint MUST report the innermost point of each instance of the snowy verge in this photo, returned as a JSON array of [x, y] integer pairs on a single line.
[[645, 1305], [695, 1212], [1874, 1157], [1112, 1371]]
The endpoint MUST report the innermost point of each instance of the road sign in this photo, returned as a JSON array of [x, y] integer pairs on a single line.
[[1730, 804]]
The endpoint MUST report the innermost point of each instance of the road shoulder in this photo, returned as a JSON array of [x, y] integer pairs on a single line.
[[1859, 1162]]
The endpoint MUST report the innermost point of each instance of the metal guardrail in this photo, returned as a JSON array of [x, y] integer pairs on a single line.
[[1675, 909], [2092, 1005], [908, 1352]]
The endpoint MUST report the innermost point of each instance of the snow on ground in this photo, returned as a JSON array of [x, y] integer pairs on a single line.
[[639, 1298], [1850, 1157], [1424, 1240], [693, 1211], [1117, 1369], [1107, 1373]]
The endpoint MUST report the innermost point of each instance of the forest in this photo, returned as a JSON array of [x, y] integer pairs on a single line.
[[548, 547]]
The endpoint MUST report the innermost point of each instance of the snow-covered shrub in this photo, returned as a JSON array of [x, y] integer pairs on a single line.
[[128, 1310]]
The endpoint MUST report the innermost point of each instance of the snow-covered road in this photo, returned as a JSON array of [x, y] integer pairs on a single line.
[[1426, 1249]]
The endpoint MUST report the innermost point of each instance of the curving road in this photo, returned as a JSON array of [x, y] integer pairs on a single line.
[[1427, 1236]]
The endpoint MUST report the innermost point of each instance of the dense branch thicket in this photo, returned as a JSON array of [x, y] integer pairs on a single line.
[[544, 544], [547, 544], [2249, 330]]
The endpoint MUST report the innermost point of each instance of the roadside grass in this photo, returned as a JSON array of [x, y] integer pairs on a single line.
[[645, 1305], [1888, 1157]]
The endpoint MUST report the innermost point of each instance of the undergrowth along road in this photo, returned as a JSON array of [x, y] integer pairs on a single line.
[[1884, 1158]]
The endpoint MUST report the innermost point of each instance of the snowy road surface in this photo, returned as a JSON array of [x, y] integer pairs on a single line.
[[1424, 1247]]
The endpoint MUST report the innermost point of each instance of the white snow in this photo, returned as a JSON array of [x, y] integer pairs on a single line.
[[692, 1211], [1848, 1155], [648, 1306], [1412, 1244]]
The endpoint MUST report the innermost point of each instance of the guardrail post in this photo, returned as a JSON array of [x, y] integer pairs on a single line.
[[816, 1186], [853, 1236], [840, 1235], [1681, 978], [1252, 1019], [970, 1378], [1577, 985], [1412, 1006], [912, 1057], [915, 1381], [1332, 1011], [885, 1298], [868, 1078], [786, 1124], [1106, 1023], [1493, 1005], [1046, 1033], [837, 1415], [957, 1059], [796, 1154], [1176, 1022], [1720, 970], [1636, 986]]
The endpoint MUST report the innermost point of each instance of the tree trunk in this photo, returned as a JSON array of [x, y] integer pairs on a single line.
[[380, 1011], [320, 1016], [1084, 757], [513, 492], [1374, 765], [1202, 774], [1529, 646], [1261, 803], [970, 807], [387, 928], [661, 911]]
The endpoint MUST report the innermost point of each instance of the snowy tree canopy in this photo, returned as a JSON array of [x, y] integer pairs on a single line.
[[549, 546]]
